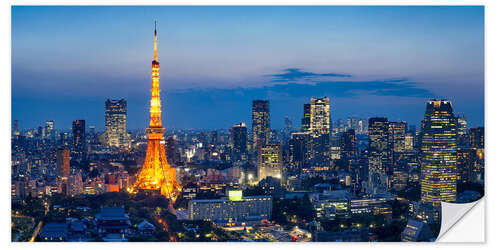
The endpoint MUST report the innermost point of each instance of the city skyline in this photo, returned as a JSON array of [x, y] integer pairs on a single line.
[[362, 78], [369, 178]]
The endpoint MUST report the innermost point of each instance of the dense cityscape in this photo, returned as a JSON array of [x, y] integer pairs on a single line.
[[326, 179]]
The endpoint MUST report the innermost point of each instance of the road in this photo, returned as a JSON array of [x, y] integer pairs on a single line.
[[164, 224], [36, 232], [39, 227]]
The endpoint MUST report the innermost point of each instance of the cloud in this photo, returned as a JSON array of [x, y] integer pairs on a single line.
[[299, 83], [293, 74]]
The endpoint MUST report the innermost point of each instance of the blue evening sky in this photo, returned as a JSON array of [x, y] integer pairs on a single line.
[[371, 61]]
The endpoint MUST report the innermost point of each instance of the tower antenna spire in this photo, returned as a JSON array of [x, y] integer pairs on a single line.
[[156, 47]]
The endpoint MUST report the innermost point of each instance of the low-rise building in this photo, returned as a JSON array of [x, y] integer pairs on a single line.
[[113, 224], [331, 204], [231, 211], [54, 232], [416, 230]]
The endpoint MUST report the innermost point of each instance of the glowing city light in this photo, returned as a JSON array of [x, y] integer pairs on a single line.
[[156, 173]]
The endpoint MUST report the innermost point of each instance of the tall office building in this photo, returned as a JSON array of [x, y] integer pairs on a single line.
[[15, 127], [363, 126], [409, 142], [170, 150], [477, 137], [261, 131], [62, 162], [353, 123], [79, 135], [91, 130], [270, 161], [462, 125], [49, 128], [116, 123], [299, 146], [320, 116], [319, 160], [288, 127], [465, 164], [41, 131], [379, 157], [397, 134], [213, 137], [348, 144], [439, 153], [238, 141], [378, 144], [306, 118]]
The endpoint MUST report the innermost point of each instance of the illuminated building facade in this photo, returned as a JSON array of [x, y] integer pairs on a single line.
[[397, 134], [409, 142], [270, 161], [232, 211], [116, 123], [62, 162], [477, 144], [49, 128], [465, 164], [462, 125], [379, 157], [331, 204], [261, 131], [319, 161], [156, 175], [439, 153], [320, 116]]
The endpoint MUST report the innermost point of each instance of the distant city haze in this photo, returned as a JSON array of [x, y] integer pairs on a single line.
[[369, 61]]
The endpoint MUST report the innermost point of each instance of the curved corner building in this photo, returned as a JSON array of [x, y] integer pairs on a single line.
[[439, 153]]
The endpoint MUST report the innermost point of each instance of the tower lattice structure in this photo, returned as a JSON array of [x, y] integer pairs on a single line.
[[156, 175]]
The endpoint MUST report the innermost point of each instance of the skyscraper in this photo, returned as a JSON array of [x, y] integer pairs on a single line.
[[439, 153], [320, 135], [348, 144], [79, 135], [261, 131], [306, 118], [320, 116], [270, 161], [288, 127], [378, 152], [91, 130], [299, 145], [15, 127], [477, 137], [238, 140], [409, 141], [49, 128], [116, 123], [465, 164], [156, 175], [397, 133], [462, 125], [62, 162]]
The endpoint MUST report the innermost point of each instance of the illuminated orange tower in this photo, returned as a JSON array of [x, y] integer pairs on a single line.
[[156, 175]]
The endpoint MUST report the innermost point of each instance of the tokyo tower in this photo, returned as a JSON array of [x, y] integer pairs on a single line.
[[156, 175]]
